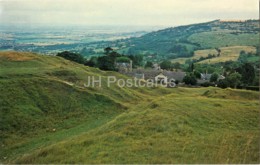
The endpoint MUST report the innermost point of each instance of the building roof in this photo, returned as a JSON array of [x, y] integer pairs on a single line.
[[205, 76], [179, 75], [139, 75], [160, 75], [151, 74], [221, 77]]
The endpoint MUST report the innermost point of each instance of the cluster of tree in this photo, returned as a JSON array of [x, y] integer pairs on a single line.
[[214, 77], [243, 75], [168, 65], [243, 56], [210, 56], [72, 57], [137, 60], [248, 74], [103, 62], [190, 79], [192, 75], [232, 80], [180, 51], [148, 64], [247, 70], [106, 62]]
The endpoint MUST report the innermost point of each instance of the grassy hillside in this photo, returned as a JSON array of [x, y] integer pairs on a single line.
[[199, 127], [47, 116], [181, 41], [230, 54], [223, 38], [43, 101]]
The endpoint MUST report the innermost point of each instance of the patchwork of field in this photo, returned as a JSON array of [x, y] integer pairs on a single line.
[[230, 53], [227, 54]]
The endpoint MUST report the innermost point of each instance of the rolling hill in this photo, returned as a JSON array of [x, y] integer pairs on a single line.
[[48, 116], [182, 41]]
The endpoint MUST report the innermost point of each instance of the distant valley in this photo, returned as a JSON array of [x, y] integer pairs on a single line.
[[50, 40], [170, 43]]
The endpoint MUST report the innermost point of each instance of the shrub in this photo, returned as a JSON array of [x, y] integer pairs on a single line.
[[207, 84], [214, 77], [72, 57], [223, 84], [190, 79]]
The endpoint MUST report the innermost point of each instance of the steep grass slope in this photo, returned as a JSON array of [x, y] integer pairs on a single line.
[[43, 100], [38, 100], [48, 116], [188, 126]]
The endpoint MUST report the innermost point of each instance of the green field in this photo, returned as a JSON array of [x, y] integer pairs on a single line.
[[47, 116], [223, 39], [230, 53]]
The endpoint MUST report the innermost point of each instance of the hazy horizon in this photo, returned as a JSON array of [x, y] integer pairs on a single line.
[[142, 13]]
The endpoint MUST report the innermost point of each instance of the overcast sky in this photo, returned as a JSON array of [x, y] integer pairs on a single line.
[[123, 12]]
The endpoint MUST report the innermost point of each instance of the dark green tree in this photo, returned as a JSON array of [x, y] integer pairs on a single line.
[[197, 74], [114, 55], [137, 60], [223, 83], [214, 77], [72, 57], [234, 79], [148, 64], [166, 65], [192, 67], [247, 72], [106, 63], [176, 65], [256, 81], [190, 79], [92, 62], [108, 50]]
